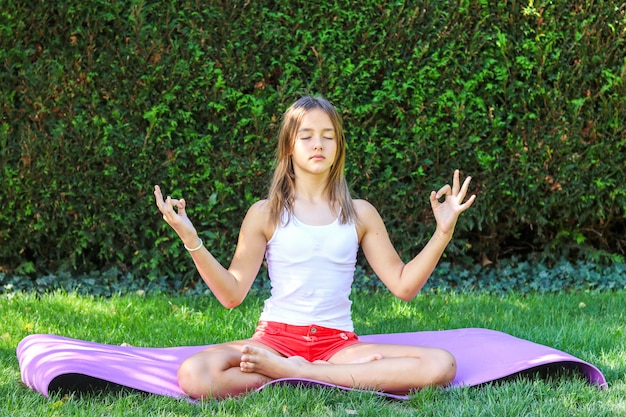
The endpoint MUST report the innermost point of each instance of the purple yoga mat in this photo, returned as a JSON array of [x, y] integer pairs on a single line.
[[50, 362]]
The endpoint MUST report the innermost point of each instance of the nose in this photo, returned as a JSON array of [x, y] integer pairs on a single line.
[[318, 145]]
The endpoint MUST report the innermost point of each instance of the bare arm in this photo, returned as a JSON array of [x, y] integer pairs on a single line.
[[231, 285], [406, 280]]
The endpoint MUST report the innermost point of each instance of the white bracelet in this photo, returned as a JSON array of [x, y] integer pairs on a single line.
[[194, 249]]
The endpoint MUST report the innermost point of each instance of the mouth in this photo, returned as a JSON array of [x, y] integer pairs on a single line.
[[318, 157]]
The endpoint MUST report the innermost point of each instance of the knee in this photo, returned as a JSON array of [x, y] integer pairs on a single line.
[[446, 363], [192, 377]]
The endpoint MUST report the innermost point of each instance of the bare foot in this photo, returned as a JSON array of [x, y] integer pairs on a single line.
[[258, 360]]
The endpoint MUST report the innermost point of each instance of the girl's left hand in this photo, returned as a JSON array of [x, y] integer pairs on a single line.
[[447, 213]]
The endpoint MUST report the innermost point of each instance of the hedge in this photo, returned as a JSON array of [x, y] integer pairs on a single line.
[[102, 99]]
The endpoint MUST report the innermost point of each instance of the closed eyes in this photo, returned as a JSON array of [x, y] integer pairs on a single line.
[[323, 137]]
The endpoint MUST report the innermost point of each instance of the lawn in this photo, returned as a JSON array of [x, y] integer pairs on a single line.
[[589, 325]]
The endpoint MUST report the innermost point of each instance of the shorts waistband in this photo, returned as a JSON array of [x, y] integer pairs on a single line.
[[311, 329]]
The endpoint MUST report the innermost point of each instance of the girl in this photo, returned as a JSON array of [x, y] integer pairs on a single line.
[[309, 230]]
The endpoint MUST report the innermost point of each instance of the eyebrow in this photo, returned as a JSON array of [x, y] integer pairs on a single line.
[[308, 129]]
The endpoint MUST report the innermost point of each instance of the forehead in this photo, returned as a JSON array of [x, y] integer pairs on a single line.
[[316, 119]]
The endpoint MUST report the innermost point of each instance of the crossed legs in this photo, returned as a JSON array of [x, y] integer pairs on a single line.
[[233, 368], [216, 373]]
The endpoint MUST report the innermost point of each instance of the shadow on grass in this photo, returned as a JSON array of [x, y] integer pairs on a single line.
[[84, 385]]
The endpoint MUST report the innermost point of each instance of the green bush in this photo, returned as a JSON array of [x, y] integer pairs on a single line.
[[103, 99]]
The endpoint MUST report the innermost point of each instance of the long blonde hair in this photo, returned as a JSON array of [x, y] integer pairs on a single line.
[[282, 189]]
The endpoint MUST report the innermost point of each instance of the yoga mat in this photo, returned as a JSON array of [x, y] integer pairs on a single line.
[[49, 362]]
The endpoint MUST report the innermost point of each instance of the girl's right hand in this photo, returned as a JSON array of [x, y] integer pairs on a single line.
[[176, 218]]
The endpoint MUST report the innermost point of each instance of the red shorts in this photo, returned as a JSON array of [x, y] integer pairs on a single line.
[[311, 342]]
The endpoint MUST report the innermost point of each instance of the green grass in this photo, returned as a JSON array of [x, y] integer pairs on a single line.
[[590, 326]]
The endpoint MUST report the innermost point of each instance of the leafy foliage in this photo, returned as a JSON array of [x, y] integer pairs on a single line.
[[511, 275], [101, 100]]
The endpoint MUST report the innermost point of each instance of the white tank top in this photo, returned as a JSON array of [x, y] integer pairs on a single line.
[[311, 270]]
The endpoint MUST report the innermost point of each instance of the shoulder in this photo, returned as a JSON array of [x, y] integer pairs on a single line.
[[368, 217], [258, 219], [259, 207], [364, 209]]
